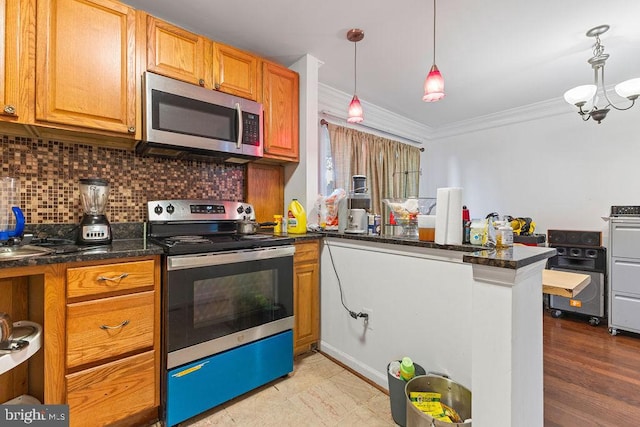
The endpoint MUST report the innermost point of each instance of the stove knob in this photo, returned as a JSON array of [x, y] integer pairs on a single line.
[[248, 210], [240, 209], [170, 209], [158, 210]]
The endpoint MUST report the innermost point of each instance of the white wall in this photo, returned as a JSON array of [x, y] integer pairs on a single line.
[[560, 171], [301, 179]]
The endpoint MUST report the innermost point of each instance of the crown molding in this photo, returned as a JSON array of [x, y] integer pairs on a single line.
[[333, 103], [535, 111]]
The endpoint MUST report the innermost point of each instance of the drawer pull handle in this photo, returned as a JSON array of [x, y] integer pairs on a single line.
[[113, 279], [121, 325]]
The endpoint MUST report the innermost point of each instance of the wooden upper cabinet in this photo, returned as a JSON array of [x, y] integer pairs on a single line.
[[14, 26], [235, 71], [177, 53], [85, 64], [280, 99]]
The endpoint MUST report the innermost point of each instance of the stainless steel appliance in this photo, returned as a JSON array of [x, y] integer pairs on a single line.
[[624, 268], [94, 226], [182, 120], [358, 205], [227, 304], [580, 252]]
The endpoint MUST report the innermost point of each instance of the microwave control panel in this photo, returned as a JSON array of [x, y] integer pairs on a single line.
[[250, 129]]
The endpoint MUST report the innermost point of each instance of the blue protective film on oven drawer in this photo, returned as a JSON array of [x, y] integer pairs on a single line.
[[199, 386]]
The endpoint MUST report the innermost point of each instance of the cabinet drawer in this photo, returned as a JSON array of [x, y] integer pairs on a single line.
[[625, 275], [113, 391], [94, 280], [625, 239], [109, 327], [306, 252], [625, 312]]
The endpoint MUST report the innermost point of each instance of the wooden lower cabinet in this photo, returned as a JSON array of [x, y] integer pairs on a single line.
[[112, 342], [114, 391], [306, 296]]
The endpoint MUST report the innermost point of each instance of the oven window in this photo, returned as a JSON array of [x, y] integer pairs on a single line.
[[206, 303], [237, 302]]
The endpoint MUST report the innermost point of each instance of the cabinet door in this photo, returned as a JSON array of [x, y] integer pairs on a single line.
[[114, 391], [85, 63], [265, 190], [236, 71], [177, 53], [14, 24], [280, 102], [306, 299]]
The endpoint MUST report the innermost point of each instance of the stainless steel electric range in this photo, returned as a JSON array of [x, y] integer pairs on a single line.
[[227, 304]]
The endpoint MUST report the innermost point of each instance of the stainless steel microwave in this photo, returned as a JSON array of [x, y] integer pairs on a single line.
[[182, 120]]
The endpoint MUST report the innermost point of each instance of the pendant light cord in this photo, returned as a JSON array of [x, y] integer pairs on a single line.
[[355, 68], [434, 31]]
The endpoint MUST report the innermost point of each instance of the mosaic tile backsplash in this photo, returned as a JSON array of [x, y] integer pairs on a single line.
[[49, 174]]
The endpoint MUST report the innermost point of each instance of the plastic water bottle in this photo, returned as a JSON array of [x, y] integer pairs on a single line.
[[407, 370]]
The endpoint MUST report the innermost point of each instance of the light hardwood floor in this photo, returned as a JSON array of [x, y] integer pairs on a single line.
[[591, 379], [318, 393]]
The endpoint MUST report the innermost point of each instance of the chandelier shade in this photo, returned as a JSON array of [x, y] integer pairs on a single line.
[[580, 95], [629, 89]]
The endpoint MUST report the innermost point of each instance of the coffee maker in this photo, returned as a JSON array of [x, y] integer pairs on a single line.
[[94, 226], [358, 205]]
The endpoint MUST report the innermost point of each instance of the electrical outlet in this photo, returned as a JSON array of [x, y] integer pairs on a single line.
[[367, 321]]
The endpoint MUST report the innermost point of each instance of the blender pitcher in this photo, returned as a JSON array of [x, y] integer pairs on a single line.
[[94, 226], [11, 217]]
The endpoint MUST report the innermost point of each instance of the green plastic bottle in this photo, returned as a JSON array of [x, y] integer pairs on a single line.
[[296, 218], [407, 370]]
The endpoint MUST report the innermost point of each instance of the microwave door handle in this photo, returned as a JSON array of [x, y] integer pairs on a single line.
[[239, 141]]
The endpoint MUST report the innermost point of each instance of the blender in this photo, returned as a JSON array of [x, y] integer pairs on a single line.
[[11, 217], [94, 226]]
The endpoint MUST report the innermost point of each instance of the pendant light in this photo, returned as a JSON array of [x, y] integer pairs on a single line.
[[434, 83], [355, 109]]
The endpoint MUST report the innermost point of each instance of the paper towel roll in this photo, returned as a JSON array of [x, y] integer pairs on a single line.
[[449, 216]]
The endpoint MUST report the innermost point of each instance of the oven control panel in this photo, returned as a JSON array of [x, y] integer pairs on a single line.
[[199, 210]]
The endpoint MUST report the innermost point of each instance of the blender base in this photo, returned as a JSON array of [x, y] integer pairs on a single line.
[[94, 229]]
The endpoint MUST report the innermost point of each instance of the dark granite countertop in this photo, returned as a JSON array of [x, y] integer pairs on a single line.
[[515, 257], [117, 249]]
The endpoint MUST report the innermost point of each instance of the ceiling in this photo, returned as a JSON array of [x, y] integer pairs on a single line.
[[494, 55]]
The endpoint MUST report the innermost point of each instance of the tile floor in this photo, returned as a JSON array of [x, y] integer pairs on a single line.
[[318, 393]]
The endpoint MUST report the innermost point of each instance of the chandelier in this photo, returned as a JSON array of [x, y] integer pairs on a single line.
[[355, 109], [584, 97]]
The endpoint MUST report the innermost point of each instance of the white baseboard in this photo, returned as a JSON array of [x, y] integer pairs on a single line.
[[357, 366]]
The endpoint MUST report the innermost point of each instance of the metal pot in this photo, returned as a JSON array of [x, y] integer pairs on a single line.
[[6, 328], [252, 227], [454, 395]]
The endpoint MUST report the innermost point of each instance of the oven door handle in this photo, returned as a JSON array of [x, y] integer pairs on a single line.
[[181, 262]]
